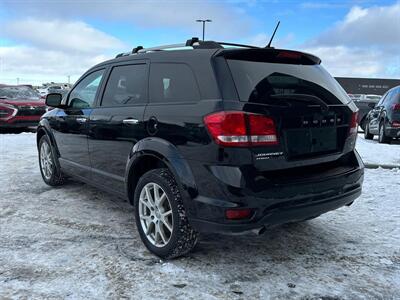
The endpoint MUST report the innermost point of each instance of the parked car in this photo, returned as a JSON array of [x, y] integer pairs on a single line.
[[384, 119], [365, 104], [20, 106], [43, 91], [213, 139], [355, 97], [62, 91]]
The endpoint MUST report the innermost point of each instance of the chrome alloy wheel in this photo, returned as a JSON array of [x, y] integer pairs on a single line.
[[155, 214], [46, 160]]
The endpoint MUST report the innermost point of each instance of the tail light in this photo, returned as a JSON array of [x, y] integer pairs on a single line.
[[289, 54], [7, 111], [238, 214], [396, 107], [353, 123], [239, 129], [396, 124]]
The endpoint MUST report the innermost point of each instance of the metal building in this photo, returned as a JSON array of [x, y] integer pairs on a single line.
[[374, 86]]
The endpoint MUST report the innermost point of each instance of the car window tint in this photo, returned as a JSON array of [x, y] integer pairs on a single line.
[[126, 85], [84, 94], [272, 83], [172, 83]]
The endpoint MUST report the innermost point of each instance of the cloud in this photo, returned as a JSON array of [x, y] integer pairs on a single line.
[[32, 64], [364, 44], [345, 61], [365, 27], [229, 18], [52, 49], [51, 43], [61, 35]]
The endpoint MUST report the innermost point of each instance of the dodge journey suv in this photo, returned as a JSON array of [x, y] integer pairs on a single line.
[[207, 137]]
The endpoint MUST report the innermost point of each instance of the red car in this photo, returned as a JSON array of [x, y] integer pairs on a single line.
[[20, 106]]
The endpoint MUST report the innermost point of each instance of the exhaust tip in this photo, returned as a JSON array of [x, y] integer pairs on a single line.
[[259, 231]]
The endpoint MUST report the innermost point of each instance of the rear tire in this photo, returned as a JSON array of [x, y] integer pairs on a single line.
[[383, 139], [367, 134], [162, 224], [51, 174]]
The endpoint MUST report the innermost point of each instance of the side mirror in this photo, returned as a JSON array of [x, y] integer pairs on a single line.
[[54, 100]]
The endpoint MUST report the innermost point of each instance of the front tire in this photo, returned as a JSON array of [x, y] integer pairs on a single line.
[[160, 215], [47, 162]]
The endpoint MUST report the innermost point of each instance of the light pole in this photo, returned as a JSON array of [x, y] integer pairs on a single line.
[[204, 24]]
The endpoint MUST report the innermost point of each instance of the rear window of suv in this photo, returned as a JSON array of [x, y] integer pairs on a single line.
[[264, 82]]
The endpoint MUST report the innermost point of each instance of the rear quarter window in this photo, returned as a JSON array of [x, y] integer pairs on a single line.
[[172, 82]]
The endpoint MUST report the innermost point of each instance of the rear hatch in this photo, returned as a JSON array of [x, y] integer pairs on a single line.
[[313, 116]]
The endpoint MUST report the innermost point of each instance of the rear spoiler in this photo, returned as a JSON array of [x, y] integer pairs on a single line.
[[271, 55]]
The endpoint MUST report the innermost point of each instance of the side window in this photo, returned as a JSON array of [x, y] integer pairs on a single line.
[[171, 82], [84, 94], [126, 85]]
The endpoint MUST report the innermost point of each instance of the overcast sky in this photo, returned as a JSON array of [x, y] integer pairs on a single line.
[[48, 40]]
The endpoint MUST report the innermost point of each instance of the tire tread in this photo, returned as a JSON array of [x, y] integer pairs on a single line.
[[186, 238]]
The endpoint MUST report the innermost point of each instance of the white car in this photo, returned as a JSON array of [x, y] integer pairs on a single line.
[[43, 91]]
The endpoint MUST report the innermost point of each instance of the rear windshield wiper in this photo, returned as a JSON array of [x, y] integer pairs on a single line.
[[302, 98]]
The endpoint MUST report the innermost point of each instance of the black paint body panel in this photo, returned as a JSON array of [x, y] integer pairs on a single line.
[[104, 151]]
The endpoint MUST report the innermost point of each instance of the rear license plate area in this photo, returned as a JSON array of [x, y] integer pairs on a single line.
[[310, 141]]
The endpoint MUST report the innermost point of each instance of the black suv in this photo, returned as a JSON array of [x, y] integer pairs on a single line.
[[213, 137], [384, 119]]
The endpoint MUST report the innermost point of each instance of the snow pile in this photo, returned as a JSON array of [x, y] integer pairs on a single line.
[[76, 242], [382, 154]]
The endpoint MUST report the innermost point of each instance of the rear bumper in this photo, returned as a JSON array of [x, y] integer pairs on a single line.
[[280, 216], [393, 132], [277, 204]]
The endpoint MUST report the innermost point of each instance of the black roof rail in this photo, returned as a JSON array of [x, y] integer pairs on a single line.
[[136, 49], [163, 47], [122, 54], [194, 42]]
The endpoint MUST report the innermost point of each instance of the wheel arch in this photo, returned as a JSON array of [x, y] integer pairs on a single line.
[[155, 153], [383, 117], [44, 129]]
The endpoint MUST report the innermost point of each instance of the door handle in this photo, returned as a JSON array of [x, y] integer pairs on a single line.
[[130, 121], [81, 120]]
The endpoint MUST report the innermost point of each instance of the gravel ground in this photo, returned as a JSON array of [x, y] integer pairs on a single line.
[[75, 242]]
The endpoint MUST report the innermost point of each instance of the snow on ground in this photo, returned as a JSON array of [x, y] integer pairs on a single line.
[[374, 153], [75, 242]]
